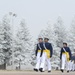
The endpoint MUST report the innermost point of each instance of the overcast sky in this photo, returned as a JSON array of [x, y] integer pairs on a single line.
[[38, 12]]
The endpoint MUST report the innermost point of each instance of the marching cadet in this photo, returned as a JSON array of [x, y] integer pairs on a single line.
[[71, 65], [74, 65], [46, 56], [38, 53], [65, 57]]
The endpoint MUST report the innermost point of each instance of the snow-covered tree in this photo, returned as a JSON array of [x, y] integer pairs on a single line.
[[1, 39], [5, 39], [42, 34], [71, 35], [24, 44], [60, 32], [49, 33]]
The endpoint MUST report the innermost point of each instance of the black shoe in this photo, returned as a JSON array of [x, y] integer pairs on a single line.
[[62, 70], [36, 70], [41, 70], [68, 71], [49, 71]]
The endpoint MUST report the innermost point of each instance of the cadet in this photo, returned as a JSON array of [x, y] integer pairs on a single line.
[[71, 65], [38, 53], [46, 56], [65, 57]]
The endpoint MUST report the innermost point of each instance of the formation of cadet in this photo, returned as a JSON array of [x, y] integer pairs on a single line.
[[44, 52]]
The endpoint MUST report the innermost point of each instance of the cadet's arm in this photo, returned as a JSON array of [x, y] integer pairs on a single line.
[[70, 53], [36, 51], [51, 49], [61, 53]]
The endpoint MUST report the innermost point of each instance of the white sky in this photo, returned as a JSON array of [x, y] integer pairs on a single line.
[[38, 12]]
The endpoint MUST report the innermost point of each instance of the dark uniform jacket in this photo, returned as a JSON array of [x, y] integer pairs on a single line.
[[49, 47], [37, 48], [67, 50]]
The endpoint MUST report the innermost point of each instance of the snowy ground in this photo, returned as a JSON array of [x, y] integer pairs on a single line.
[[34, 73]]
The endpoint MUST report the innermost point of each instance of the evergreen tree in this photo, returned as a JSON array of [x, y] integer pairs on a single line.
[[5, 39], [60, 32], [71, 35], [24, 44]]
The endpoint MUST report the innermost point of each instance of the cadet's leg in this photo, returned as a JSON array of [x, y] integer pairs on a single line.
[[42, 66], [73, 66], [70, 65], [38, 59], [67, 65], [49, 64], [63, 61]]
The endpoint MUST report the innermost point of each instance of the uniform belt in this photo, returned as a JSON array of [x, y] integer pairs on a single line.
[[67, 55], [63, 53], [39, 50], [47, 52]]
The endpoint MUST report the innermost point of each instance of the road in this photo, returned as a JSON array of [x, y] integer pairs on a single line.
[[34, 73]]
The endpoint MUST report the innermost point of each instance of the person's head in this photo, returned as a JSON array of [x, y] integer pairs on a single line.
[[40, 40], [64, 44], [46, 39]]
